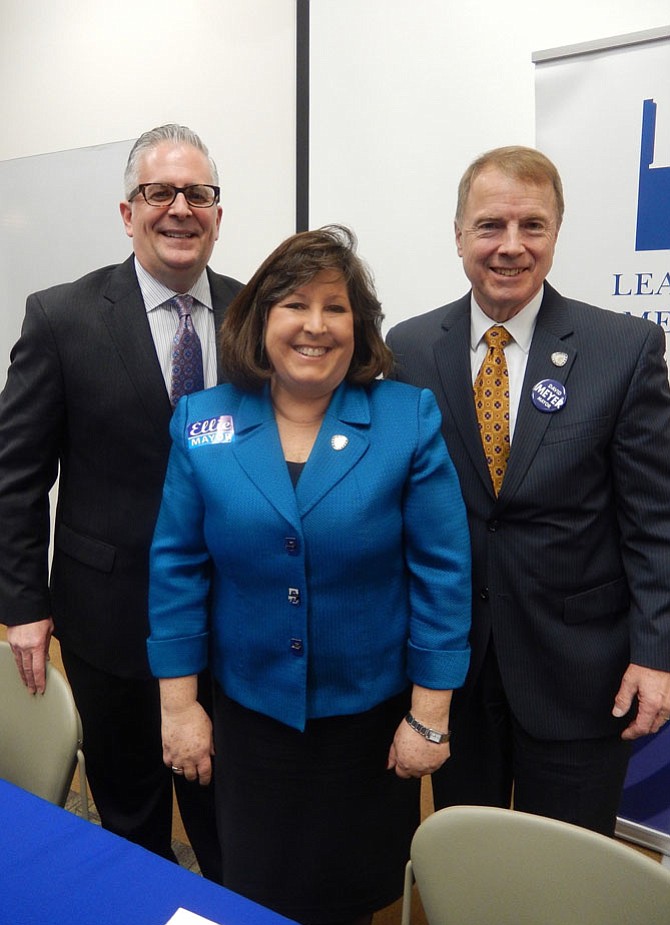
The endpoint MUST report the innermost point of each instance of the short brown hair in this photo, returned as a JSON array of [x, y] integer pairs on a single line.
[[515, 161], [294, 263]]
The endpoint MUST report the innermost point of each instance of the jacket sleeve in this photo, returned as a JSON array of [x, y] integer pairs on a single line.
[[32, 426], [437, 552], [179, 568], [640, 472]]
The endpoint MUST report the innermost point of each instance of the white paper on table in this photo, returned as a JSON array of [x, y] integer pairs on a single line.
[[184, 917]]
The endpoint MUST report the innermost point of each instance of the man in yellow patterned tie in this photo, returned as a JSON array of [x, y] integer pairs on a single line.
[[557, 417]]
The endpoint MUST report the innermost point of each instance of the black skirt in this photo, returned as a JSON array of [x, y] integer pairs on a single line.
[[311, 823]]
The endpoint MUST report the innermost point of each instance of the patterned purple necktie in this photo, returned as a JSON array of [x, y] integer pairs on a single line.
[[491, 390], [187, 374]]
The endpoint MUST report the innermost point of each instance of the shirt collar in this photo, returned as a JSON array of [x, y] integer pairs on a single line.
[[156, 293], [521, 326]]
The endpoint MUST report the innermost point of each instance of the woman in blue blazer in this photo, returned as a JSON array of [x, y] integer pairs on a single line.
[[312, 548]]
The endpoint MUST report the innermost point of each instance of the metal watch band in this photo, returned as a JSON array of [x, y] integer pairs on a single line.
[[430, 734]]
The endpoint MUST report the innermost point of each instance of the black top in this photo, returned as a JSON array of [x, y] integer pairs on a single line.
[[295, 470]]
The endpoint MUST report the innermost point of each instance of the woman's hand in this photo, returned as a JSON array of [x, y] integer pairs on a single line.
[[411, 754], [186, 729]]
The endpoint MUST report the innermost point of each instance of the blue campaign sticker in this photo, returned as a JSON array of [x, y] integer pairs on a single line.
[[219, 429], [548, 395]]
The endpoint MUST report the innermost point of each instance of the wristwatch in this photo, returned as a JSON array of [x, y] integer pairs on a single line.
[[439, 738]]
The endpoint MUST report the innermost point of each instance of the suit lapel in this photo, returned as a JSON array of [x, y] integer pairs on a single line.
[[258, 450], [552, 335], [125, 315], [222, 295], [342, 441], [452, 358]]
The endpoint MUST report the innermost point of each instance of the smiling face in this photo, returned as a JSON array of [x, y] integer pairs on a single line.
[[507, 237], [173, 243], [309, 338]]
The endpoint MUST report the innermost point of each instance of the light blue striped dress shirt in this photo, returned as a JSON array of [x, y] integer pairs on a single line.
[[164, 320]]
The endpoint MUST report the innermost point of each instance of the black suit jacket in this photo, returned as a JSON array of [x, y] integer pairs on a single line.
[[85, 399], [571, 563]]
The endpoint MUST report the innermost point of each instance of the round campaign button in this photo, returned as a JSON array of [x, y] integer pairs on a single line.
[[548, 395]]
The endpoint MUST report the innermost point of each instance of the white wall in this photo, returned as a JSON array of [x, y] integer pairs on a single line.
[[405, 93], [76, 73]]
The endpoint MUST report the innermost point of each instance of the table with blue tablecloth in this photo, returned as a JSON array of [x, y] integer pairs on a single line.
[[56, 868]]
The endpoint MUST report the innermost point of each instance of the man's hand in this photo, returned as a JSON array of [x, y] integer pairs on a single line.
[[652, 689], [30, 646]]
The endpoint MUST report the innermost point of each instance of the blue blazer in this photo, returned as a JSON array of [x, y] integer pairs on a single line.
[[321, 600]]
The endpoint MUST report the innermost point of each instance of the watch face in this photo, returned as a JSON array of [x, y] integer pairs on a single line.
[[434, 736]]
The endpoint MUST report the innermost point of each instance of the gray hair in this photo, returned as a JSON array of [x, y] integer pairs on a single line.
[[175, 134]]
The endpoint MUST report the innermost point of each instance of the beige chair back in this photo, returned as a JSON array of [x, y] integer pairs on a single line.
[[479, 865], [40, 734]]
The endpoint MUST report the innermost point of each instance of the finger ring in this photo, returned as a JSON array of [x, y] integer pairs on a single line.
[[177, 770]]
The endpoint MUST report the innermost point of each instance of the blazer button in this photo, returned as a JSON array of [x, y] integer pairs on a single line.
[[291, 545], [492, 526], [294, 596], [484, 594], [296, 647]]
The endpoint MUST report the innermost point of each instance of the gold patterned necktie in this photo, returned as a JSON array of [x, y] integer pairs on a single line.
[[491, 390]]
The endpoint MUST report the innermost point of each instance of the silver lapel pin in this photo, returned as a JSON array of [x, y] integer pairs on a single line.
[[339, 441]]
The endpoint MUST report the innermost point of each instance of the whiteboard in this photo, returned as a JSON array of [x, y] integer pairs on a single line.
[[59, 219]]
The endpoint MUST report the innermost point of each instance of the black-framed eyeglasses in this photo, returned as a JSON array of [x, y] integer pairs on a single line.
[[198, 195]]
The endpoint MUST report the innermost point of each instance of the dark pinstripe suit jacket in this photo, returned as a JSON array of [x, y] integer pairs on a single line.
[[85, 397], [571, 564]]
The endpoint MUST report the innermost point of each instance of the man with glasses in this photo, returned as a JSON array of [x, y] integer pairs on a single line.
[[89, 397]]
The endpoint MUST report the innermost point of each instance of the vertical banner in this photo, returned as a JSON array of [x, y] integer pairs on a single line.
[[603, 117]]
